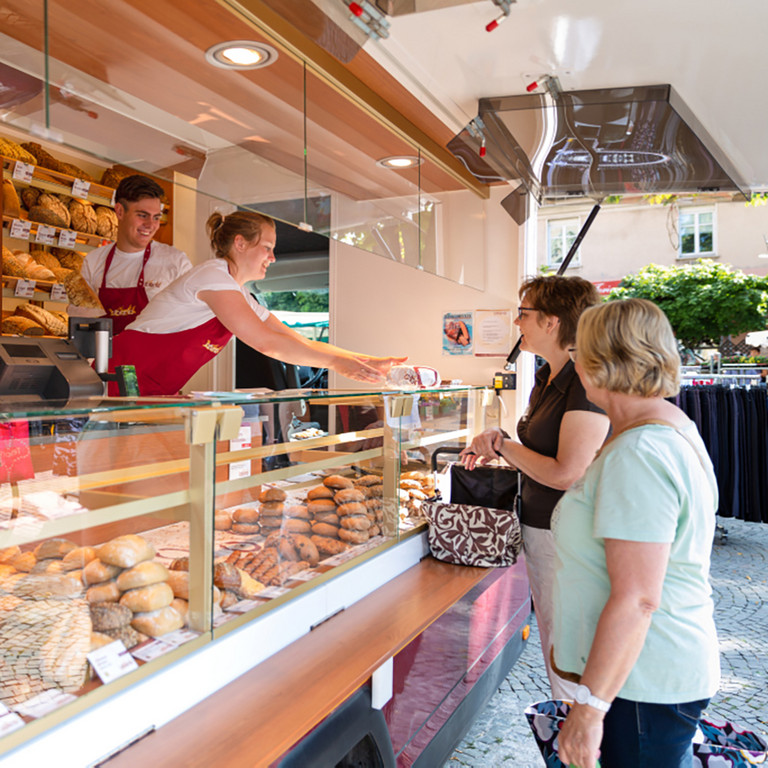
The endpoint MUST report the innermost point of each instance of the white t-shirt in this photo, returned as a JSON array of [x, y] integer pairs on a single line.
[[177, 308], [165, 264]]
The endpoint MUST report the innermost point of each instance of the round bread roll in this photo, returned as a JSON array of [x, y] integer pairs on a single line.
[[108, 592], [158, 622], [78, 558], [150, 598], [355, 523], [296, 525], [54, 548], [272, 494], [317, 506], [306, 549], [353, 508], [327, 546], [126, 551], [365, 480], [320, 492], [353, 537], [337, 481], [178, 581], [249, 515], [105, 616], [95, 572], [323, 529], [222, 521], [142, 575], [327, 517], [249, 529], [297, 510], [272, 509], [347, 495]]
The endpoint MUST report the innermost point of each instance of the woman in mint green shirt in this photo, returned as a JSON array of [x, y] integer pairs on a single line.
[[633, 613]]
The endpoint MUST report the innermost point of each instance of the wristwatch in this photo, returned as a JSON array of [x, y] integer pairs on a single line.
[[584, 696]]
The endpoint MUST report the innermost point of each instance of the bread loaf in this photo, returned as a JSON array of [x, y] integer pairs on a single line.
[[126, 551], [142, 575], [108, 592], [78, 558], [159, 622], [45, 259], [182, 608], [13, 264], [53, 325], [115, 174], [178, 581], [44, 158], [30, 196], [149, 598], [54, 548], [50, 210], [106, 616], [79, 292], [96, 572], [11, 202], [83, 216], [106, 222], [35, 271], [14, 325], [15, 151], [226, 576], [69, 259], [78, 173]]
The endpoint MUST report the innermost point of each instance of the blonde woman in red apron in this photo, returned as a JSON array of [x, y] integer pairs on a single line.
[[130, 272], [192, 320]]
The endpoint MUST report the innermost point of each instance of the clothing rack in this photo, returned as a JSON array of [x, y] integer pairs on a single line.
[[733, 423]]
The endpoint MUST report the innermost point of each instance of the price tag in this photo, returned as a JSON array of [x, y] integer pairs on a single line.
[[152, 650], [59, 293], [67, 238], [25, 289], [44, 703], [112, 201], [10, 722], [20, 229], [23, 171], [45, 235], [239, 469], [80, 188], [180, 636], [112, 661]]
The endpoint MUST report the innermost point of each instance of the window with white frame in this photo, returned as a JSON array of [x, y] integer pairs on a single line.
[[697, 232], [560, 236]]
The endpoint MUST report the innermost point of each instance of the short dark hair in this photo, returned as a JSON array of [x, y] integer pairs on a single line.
[[562, 297], [137, 187]]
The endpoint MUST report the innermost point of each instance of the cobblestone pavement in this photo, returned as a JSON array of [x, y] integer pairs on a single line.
[[500, 736]]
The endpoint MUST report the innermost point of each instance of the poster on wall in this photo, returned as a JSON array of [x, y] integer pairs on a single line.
[[457, 333], [493, 330]]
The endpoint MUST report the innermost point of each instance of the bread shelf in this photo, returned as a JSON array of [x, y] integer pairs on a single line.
[[58, 183], [83, 242]]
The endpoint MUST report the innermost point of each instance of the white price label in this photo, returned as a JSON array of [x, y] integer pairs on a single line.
[[45, 235], [112, 661], [59, 293], [67, 238], [44, 703], [239, 469], [180, 636], [23, 171], [20, 229], [152, 650], [80, 188], [25, 289], [10, 722], [112, 201]]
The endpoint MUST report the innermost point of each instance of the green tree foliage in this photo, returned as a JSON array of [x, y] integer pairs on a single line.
[[297, 301], [703, 300]]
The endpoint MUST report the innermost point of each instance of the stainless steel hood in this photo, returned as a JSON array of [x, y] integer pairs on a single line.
[[617, 141]]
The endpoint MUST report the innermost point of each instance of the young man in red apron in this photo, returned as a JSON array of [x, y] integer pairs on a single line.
[[128, 273]]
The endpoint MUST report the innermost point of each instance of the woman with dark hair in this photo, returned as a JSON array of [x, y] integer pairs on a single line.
[[634, 617], [191, 321], [557, 436]]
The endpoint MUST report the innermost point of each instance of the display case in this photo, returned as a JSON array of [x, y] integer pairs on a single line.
[[134, 533]]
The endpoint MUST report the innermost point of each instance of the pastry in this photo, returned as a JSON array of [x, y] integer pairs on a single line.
[[142, 575], [337, 482], [23, 561], [150, 598], [158, 622], [306, 549], [226, 576], [126, 551], [9, 552]]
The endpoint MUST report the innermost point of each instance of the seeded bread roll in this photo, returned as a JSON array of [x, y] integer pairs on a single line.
[[11, 202]]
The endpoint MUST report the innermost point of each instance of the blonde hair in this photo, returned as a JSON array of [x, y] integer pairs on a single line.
[[629, 347], [562, 297], [222, 230]]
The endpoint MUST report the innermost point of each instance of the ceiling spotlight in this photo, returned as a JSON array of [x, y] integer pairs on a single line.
[[241, 54], [399, 162]]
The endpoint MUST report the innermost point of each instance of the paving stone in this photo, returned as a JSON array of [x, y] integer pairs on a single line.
[[500, 737]]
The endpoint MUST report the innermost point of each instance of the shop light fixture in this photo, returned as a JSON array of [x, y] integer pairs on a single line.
[[399, 162], [241, 54]]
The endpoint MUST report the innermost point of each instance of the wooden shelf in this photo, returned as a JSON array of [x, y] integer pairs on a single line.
[[83, 242]]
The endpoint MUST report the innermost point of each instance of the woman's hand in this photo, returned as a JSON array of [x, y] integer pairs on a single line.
[[484, 447], [381, 364], [579, 740]]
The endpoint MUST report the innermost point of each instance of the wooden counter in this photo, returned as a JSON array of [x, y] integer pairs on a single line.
[[258, 717]]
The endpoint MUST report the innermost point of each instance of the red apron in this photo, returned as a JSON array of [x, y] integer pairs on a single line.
[[123, 304], [166, 361]]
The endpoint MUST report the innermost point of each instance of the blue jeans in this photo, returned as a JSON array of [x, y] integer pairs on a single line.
[[639, 735]]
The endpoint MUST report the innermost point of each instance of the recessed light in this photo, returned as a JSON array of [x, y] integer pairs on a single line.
[[399, 162], [241, 54]]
